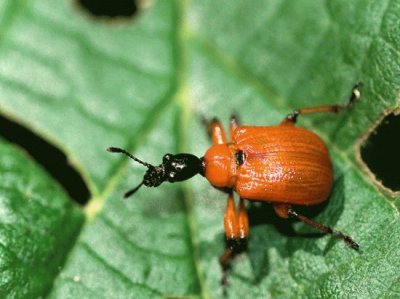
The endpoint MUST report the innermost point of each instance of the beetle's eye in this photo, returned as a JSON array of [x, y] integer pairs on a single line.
[[166, 158], [240, 157]]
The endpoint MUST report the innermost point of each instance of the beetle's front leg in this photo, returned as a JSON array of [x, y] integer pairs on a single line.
[[236, 226], [215, 130], [233, 124]]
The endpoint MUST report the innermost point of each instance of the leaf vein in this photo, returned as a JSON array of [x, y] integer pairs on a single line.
[[124, 237], [124, 278]]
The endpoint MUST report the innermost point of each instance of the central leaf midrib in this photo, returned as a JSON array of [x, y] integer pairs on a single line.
[[181, 39], [177, 94]]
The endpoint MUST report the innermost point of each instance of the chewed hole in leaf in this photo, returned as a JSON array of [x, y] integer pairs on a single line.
[[51, 158], [380, 151], [110, 9]]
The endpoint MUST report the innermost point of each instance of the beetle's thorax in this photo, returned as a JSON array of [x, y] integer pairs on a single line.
[[220, 165]]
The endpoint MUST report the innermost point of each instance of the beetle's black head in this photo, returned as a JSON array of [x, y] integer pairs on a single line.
[[174, 168]]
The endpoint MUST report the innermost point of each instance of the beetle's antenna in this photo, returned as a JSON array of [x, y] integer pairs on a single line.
[[130, 192], [122, 151]]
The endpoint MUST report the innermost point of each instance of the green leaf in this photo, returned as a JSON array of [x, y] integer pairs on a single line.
[[84, 84], [38, 225]]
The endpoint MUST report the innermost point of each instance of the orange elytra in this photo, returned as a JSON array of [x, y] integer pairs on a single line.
[[283, 165]]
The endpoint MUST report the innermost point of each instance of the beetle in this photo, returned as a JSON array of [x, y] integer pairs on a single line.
[[284, 165]]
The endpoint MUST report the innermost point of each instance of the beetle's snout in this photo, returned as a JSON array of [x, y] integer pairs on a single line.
[[218, 162], [154, 176]]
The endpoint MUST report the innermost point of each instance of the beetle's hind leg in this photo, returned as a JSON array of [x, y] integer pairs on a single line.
[[286, 211], [355, 95], [236, 224]]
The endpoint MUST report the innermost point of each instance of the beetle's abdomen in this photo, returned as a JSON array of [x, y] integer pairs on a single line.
[[283, 164]]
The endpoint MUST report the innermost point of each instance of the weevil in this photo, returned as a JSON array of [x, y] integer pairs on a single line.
[[284, 165]]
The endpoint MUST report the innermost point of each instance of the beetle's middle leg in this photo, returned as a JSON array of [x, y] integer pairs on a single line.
[[236, 224], [291, 118], [286, 211]]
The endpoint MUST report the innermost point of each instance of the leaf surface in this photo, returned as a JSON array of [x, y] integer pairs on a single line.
[[38, 226]]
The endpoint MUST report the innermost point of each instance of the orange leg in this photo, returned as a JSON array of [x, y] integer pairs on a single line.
[[286, 211], [215, 130], [291, 118], [230, 219], [243, 221], [236, 224], [234, 123]]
